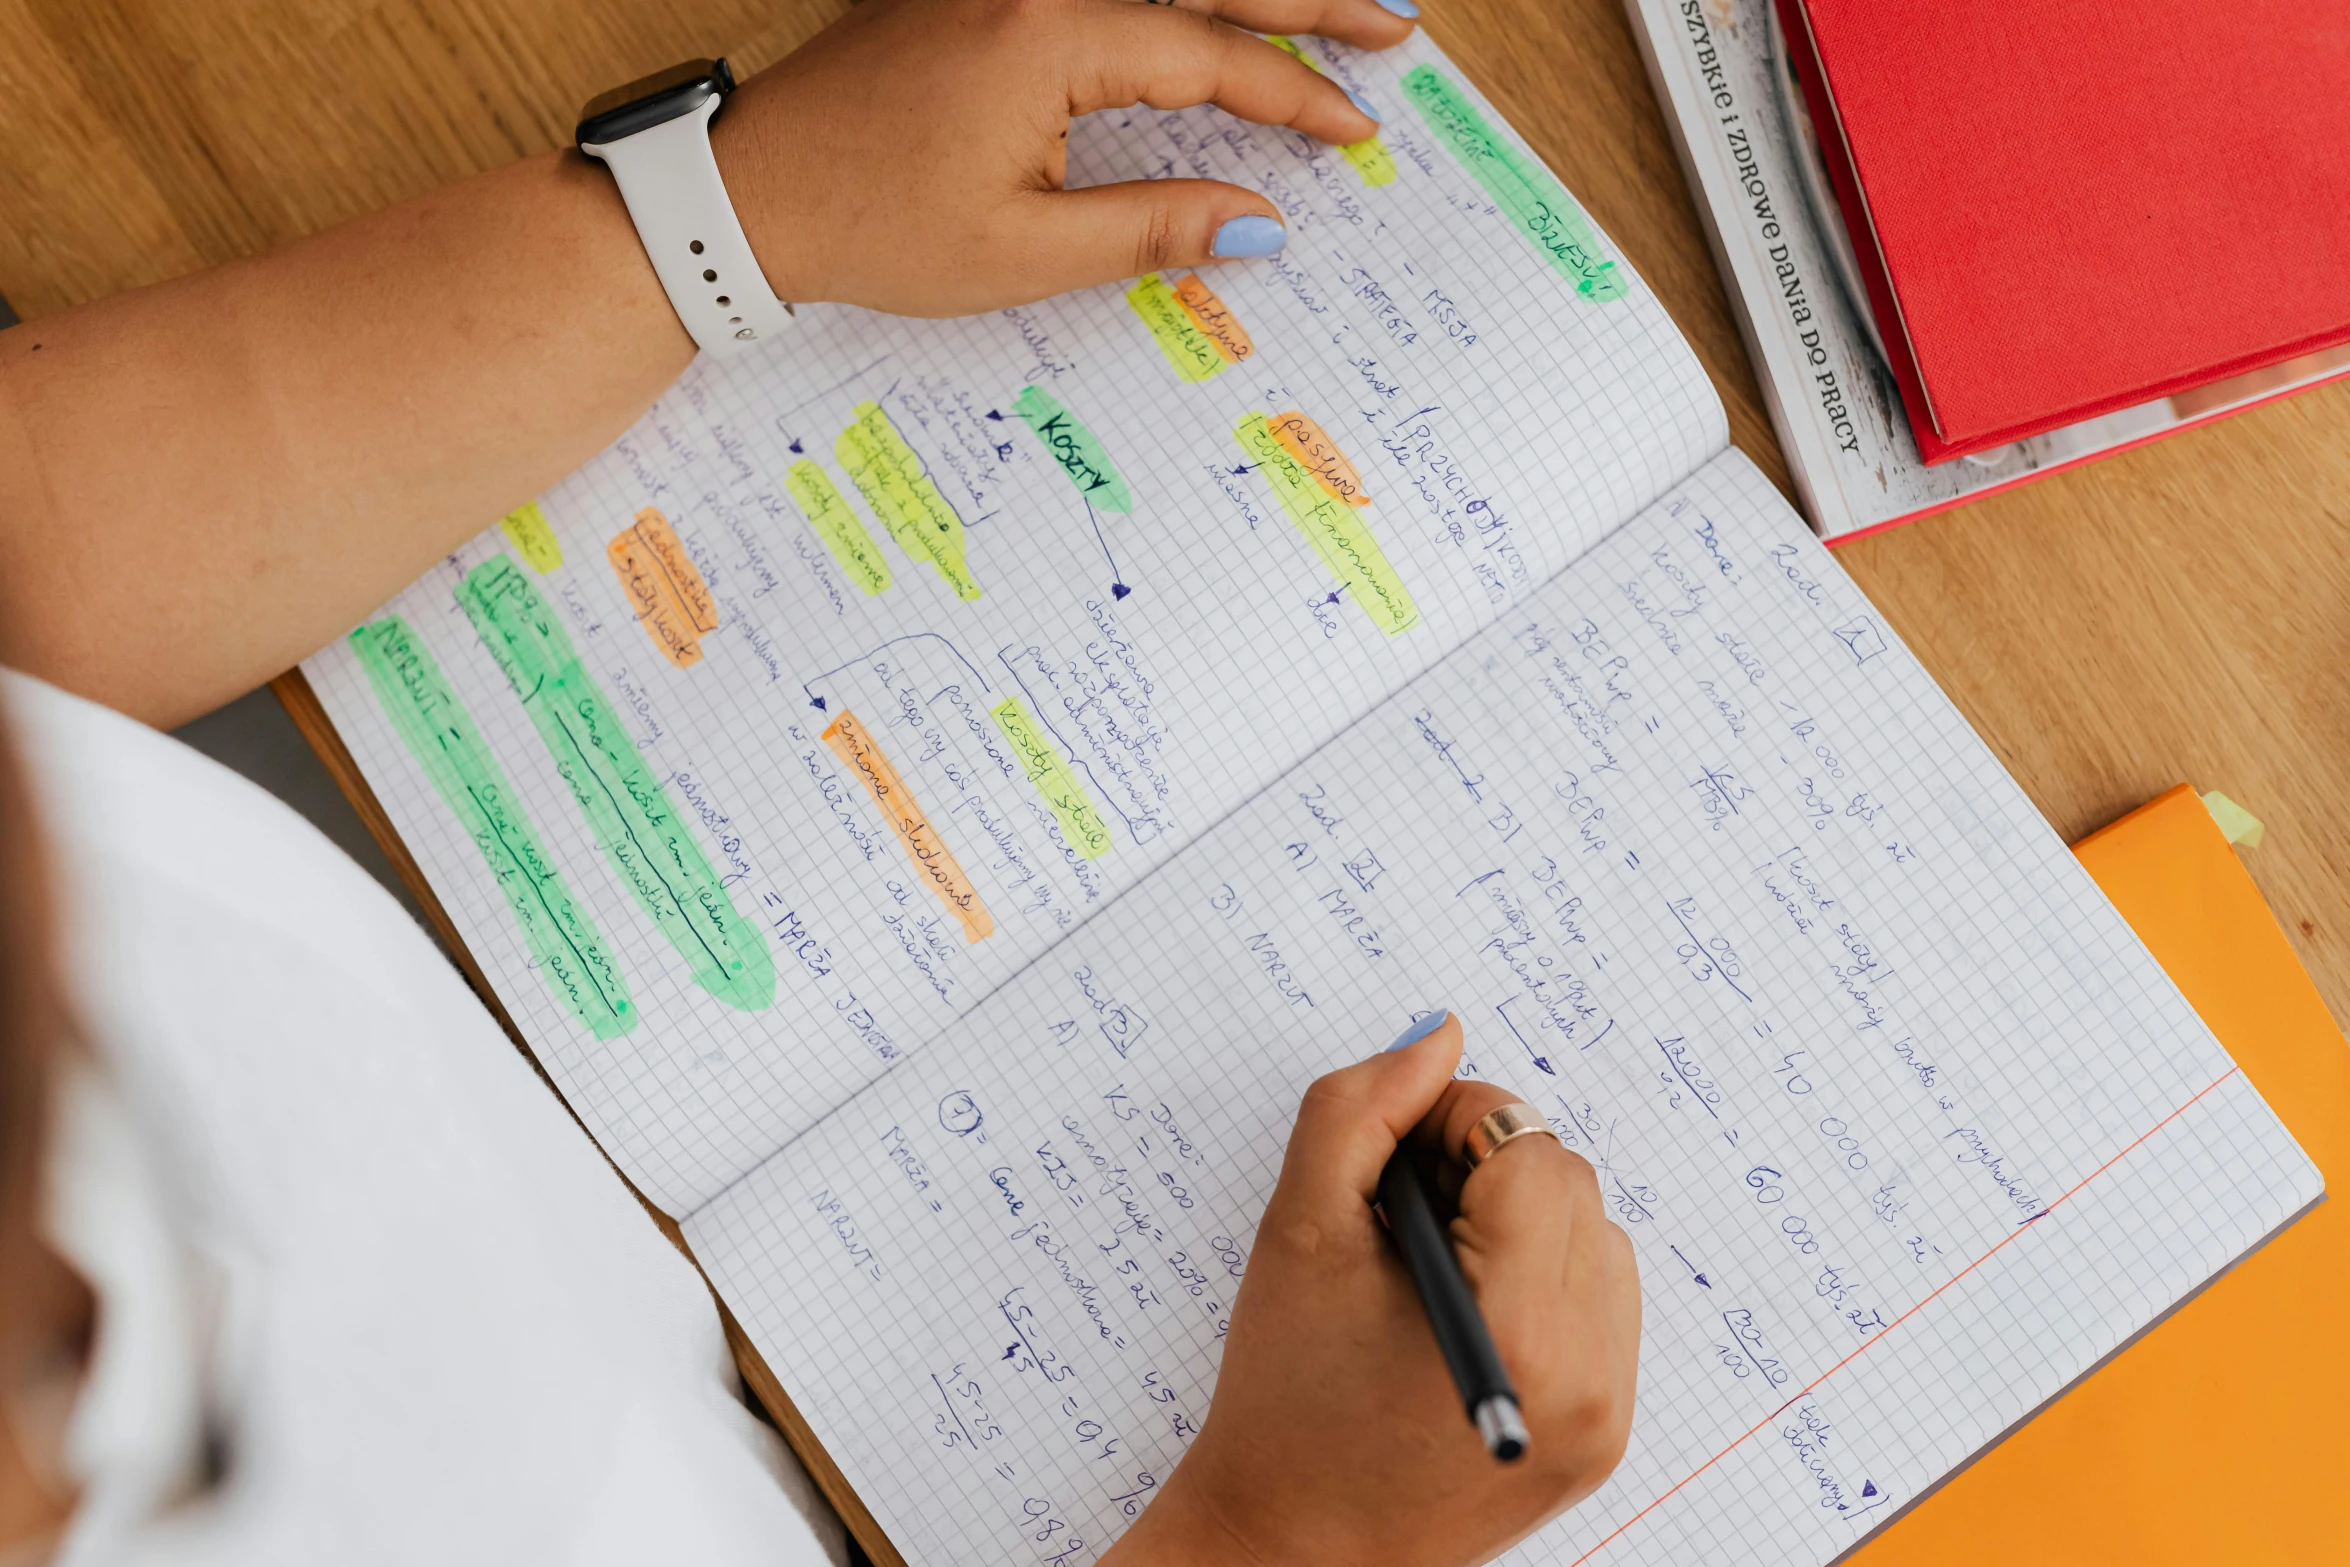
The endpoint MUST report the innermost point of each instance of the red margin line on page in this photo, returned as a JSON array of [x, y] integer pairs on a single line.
[[1880, 1337]]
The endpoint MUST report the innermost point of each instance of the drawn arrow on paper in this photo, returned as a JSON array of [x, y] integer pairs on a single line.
[[1870, 1500], [1692, 1267], [1118, 587], [1003, 449], [817, 702], [785, 420], [1541, 1061]]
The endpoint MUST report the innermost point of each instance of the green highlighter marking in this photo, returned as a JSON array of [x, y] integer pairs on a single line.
[[1053, 779], [626, 807], [1075, 448], [1522, 188], [564, 945]]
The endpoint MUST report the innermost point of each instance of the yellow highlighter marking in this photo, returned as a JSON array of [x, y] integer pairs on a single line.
[[1049, 771], [890, 477], [1192, 353], [829, 514], [1336, 530], [533, 537], [1369, 159]]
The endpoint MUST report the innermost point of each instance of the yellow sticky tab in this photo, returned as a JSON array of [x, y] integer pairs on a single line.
[[533, 538], [852, 548], [2235, 823], [1336, 530], [891, 478], [1190, 351], [1055, 782]]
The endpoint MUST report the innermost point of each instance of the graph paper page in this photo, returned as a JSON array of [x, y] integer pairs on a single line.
[[1906, 1127], [863, 669]]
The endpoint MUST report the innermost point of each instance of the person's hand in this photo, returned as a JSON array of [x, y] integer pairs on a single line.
[[910, 157], [1336, 1434]]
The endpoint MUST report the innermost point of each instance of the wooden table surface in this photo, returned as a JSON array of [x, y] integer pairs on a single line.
[[2173, 613]]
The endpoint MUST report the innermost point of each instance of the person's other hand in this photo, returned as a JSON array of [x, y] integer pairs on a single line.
[[910, 157], [1336, 1434]]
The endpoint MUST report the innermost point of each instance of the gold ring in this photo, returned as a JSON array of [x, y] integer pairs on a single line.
[[1506, 1124]]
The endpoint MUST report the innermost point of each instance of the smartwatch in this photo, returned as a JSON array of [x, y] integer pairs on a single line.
[[654, 135]]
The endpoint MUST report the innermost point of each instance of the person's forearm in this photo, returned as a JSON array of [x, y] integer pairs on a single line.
[[203, 481]]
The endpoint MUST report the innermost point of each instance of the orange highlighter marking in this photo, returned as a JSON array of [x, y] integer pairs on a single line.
[[1319, 455], [670, 598], [1212, 316], [932, 858]]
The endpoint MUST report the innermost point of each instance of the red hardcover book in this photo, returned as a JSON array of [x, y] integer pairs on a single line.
[[2064, 208]]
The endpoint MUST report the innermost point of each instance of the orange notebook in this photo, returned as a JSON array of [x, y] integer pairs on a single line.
[[2221, 1435]]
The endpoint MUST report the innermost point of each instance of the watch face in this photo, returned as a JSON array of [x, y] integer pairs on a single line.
[[652, 100]]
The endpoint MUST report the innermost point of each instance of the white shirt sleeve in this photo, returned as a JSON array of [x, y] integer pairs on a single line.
[[424, 1316]]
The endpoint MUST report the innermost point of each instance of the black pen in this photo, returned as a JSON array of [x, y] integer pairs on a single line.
[[1461, 1334]]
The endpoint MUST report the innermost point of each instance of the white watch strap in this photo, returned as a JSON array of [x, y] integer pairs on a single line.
[[682, 213]]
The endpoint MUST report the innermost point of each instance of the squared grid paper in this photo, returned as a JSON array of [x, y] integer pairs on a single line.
[[1558, 422], [1717, 878]]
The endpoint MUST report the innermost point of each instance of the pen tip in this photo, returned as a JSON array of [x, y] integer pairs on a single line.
[[1504, 1432]]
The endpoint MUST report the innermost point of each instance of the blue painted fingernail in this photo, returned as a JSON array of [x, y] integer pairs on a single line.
[[1364, 104], [1400, 7], [1249, 236], [1420, 1030]]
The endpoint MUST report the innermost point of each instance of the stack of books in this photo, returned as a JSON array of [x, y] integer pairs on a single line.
[[1970, 246]]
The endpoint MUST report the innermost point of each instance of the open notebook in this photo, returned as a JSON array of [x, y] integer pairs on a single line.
[[933, 795]]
